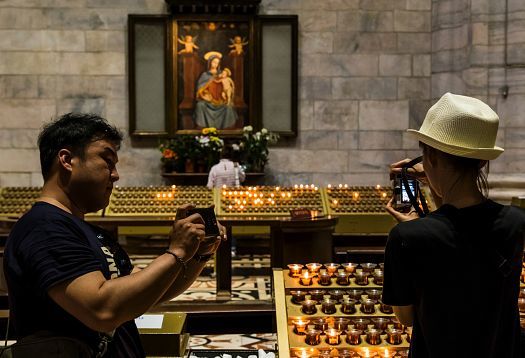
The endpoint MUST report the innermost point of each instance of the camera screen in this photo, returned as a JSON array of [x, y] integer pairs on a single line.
[[412, 184]]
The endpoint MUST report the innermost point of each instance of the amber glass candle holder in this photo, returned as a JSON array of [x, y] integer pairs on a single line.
[[394, 336], [381, 323], [308, 307], [320, 324], [386, 353], [361, 323], [341, 324], [314, 268], [300, 326], [333, 336], [379, 277], [313, 336], [341, 278], [368, 306], [348, 306], [353, 336], [305, 353], [331, 268], [325, 279], [361, 278], [346, 353], [317, 295], [368, 267], [374, 295], [328, 306], [355, 294], [373, 336], [336, 295], [298, 296], [295, 270], [349, 267], [386, 309]]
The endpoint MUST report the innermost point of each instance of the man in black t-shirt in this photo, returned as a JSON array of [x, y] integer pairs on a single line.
[[454, 274], [68, 278]]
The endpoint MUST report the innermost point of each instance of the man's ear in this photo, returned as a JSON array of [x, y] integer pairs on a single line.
[[64, 159]]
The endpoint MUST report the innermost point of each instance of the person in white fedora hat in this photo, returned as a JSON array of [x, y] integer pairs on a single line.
[[454, 275]]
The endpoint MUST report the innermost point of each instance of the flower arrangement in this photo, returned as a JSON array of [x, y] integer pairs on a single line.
[[254, 148], [188, 152]]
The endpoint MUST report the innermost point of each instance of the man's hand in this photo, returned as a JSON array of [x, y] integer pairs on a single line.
[[417, 171], [209, 245], [186, 233], [400, 217]]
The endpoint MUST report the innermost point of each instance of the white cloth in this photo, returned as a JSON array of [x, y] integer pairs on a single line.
[[226, 173]]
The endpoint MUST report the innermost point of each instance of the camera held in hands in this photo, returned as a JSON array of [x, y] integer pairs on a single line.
[[210, 221], [402, 201]]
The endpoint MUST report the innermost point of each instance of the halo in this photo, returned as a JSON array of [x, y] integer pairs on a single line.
[[212, 53]]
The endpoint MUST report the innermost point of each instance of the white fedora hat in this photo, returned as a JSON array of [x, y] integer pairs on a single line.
[[462, 126]]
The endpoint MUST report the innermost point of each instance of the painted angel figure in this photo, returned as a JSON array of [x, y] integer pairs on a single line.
[[237, 45], [189, 43]]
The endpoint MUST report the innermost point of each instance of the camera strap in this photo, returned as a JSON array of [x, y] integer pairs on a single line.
[[413, 200]]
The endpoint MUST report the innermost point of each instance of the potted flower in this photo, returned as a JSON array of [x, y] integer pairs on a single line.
[[209, 147], [254, 148], [170, 156]]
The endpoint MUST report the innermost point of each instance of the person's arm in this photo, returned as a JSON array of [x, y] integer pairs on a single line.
[[211, 178], [242, 175], [103, 305]]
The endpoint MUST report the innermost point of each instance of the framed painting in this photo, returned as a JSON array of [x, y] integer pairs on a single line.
[[212, 68]]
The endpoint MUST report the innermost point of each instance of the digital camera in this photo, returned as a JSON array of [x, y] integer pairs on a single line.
[[210, 221]]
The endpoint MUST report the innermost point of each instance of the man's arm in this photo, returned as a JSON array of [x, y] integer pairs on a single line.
[[103, 305], [405, 314]]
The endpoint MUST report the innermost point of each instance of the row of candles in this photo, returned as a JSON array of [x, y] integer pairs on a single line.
[[343, 278], [348, 306], [347, 353]]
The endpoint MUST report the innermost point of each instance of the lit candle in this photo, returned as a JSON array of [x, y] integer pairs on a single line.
[[378, 186], [332, 336], [300, 326], [305, 279], [331, 268], [295, 269], [349, 267], [386, 353], [304, 353]]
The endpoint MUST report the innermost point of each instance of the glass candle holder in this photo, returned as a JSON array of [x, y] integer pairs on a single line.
[[361, 278], [313, 268], [336, 295], [355, 294], [300, 325], [325, 279], [396, 324], [305, 353], [313, 336], [379, 277], [298, 296], [380, 323], [368, 306], [333, 336], [403, 353], [295, 270], [348, 306], [374, 295], [308, 307], [367, 353], [521, 304], [331, 268], [341, 278], [386, 309], [325, 353], [361, 324], [373, 336], [349, 267], [317, 295], [341, 324], [320, 324], [305, 279], [328, 306], [368, 267], [346, 353], [393, 336], [353, 336]]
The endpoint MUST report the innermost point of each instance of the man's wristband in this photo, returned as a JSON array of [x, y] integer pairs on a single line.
[[181, 261], [202, 258]]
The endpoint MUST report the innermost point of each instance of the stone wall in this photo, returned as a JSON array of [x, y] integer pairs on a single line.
[[368, 70]]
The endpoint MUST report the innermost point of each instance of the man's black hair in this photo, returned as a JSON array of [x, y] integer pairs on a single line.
[[73, 131]]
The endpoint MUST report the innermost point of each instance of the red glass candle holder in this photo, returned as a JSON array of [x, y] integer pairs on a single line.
[[361, 323], [374, 295], [394, 336], [295, 269], [336, 295], [331, 268], [328, 306], [368, 267], [313, 336], [373, 336], [320, 324], [341, 278], [308, 307], [368, 306], [349, 267], [355, 294], [361, 278], [341, 324], [348, 306], [333, 336], [379, 277], [325, 279], [298, 296], [353, 336], [380, 323], [300, 326], [314, 268], [317, 295]]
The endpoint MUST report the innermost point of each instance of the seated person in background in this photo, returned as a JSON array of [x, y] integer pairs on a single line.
[[68, 278], [455, 273], [226, 172]]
